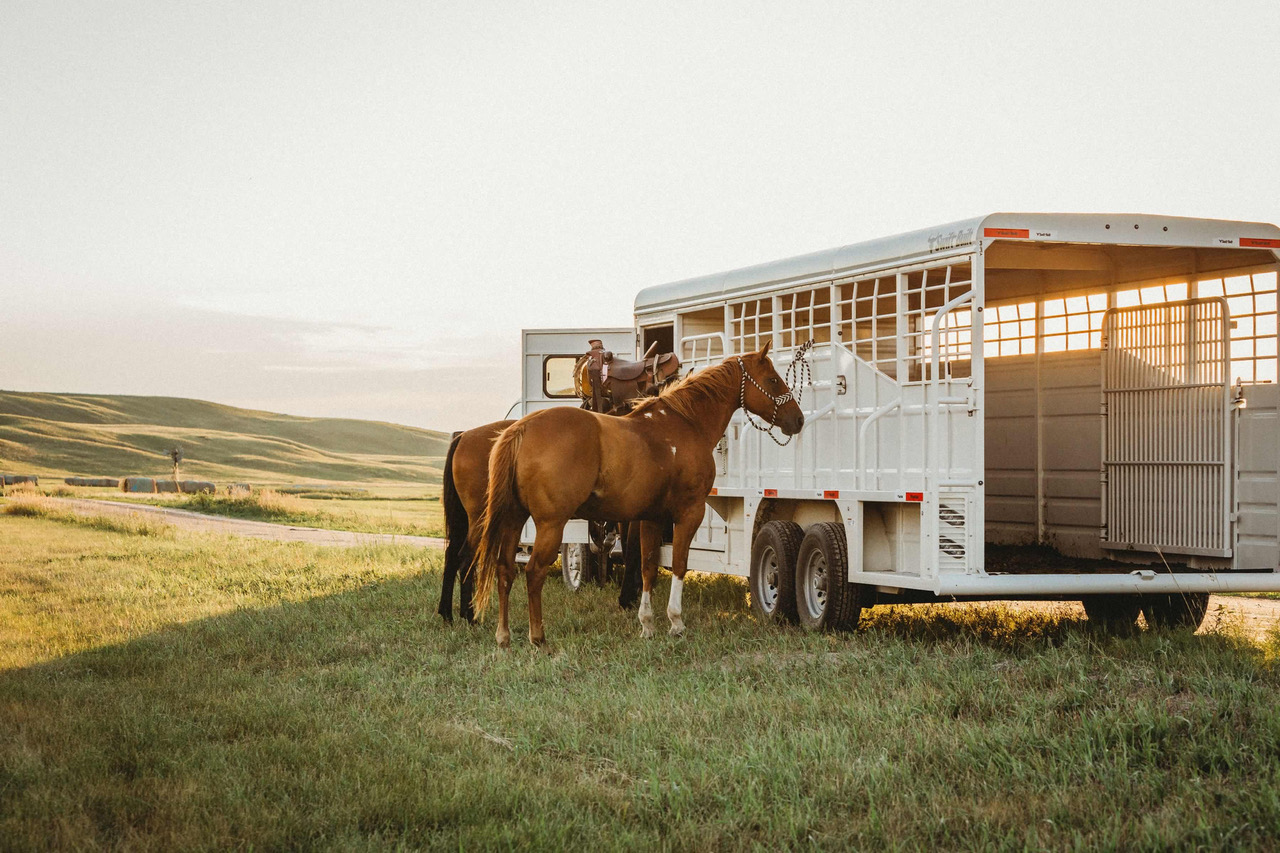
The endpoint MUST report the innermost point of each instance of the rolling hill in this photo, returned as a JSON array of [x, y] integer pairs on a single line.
[[96, 435]]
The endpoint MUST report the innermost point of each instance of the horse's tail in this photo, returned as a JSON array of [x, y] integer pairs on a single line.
[[455, 531], [502, 511]]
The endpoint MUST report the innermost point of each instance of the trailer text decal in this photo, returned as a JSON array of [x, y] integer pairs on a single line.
[[1007, 233], [1259, 243]]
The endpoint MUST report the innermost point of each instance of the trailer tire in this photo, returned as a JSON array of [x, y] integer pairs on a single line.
[[825, 600], [773, 571], [576, 563], [1176, 611], [1113, 613]]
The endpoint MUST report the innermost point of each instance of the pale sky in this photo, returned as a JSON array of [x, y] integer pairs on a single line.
[[352, 209]]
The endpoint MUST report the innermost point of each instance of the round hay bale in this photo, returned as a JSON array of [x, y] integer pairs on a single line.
[[166, 487], [145, 485], [195, 487]]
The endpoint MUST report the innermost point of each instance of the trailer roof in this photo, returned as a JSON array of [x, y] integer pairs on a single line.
[[1099, 228]]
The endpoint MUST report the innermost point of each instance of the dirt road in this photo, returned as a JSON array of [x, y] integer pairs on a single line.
[[188, 520], [1255, 616]]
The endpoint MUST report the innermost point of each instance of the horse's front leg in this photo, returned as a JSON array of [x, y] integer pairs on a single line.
[[685, 529], [650, 552]]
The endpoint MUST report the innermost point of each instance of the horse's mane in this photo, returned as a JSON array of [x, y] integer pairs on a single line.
[[691, 395]]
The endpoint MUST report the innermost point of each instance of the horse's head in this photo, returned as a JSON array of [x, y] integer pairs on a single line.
[[766, 395]]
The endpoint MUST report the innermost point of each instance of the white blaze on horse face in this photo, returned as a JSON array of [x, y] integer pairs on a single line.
[[673, 450], [673, 605], [648, 414]]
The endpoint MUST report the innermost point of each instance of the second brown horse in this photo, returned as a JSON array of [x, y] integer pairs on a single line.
[[654, 465]]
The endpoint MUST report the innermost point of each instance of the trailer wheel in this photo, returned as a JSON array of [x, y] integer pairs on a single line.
[[773, 571], [576, 561], [825, 600], [1116, 613], [1178, 610]]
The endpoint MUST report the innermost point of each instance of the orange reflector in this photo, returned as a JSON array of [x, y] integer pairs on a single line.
[[915, 496], [1007, 233], [770, 493], [830, 495], [1259, 243], [713, 491]]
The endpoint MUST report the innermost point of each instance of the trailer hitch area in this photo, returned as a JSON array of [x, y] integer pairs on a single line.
[[1144, 574]]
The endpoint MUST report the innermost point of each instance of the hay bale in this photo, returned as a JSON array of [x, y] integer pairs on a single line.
[[74, 481], [166, 487], [195, 487], [106, 482], [17, 479], [239, 488], [144, 485]]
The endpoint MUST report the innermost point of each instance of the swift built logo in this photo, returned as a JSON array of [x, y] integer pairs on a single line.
[[942, 242]]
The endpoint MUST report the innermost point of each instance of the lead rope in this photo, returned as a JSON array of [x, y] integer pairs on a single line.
[[797, 374]]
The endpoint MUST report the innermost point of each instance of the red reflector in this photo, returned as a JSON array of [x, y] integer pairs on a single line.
[[1007, 233], [830, 496], [770, 493], [1259, 243], [713, 491], [915, 496]]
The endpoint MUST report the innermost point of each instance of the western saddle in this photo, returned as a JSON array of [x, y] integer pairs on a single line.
[[606, 382]]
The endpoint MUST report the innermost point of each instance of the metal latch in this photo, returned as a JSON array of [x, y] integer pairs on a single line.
[[842, 385]]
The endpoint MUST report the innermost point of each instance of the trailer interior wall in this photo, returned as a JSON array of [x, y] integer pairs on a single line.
[[1043, 422]]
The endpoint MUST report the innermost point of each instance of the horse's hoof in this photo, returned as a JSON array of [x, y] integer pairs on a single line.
[[646, 632], [676, 630]]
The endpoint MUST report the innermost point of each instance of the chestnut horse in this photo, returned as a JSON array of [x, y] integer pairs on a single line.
[[653, 465]]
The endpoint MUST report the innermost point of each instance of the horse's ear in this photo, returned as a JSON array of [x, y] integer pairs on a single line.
[[764, 350]]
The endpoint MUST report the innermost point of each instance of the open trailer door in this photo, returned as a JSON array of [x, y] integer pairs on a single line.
[[1166, 428], [549, 356]]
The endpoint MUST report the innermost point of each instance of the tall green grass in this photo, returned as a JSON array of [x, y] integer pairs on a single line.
[[199, 692]]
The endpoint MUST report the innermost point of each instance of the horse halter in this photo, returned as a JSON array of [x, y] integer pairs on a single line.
[[797, 370]]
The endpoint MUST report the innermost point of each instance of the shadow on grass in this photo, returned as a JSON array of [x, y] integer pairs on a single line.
[[358, 719]]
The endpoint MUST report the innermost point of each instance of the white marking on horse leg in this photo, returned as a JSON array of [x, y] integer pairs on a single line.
[[646, 615], [673, 450], [673, 606]]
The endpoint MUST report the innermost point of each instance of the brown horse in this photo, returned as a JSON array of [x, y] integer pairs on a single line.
[[654, 465], [466, 479]]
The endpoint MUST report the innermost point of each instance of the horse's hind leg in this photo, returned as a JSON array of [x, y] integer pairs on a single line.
[[466, 560], [650, 551], [629, 590], [545, 549], [445, 608], [506, 576]]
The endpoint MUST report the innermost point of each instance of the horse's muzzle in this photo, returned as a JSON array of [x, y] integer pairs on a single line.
[[792, 425]]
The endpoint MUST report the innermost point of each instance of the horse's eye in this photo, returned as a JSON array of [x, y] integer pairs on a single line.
[[773, 381]]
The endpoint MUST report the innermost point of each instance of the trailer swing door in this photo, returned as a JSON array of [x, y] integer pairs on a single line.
[[1166, 428]]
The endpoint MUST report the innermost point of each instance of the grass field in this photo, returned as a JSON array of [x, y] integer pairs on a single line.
[[57, 435], [180, 691], [418, 515]]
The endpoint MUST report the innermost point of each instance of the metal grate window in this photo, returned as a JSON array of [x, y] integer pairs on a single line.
[[867, 321], [751, 324], [804, 316], [1251, 300]]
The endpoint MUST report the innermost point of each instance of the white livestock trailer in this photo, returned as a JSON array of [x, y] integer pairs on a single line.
[[1013, 406], [1061, 406]]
